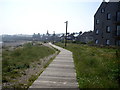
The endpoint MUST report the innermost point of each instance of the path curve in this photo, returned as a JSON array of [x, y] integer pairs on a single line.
[[60, 73]]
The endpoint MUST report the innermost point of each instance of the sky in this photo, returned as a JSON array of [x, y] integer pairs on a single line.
[[38, 16]]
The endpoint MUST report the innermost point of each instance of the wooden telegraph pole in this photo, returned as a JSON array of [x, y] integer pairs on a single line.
[[66, 34]]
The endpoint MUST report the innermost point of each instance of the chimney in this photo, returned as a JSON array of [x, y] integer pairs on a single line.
[[103, 0]]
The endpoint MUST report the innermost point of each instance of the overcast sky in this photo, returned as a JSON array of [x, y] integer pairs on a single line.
[[38, 16]]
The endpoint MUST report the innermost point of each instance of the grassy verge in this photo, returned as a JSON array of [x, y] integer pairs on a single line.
[[34, 77], [14, 62], [95, 67]]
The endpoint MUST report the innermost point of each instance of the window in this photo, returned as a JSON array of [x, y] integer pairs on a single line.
[[108, 42], [97, 21], [108, 29], [118, 30], [97, 31], [118, 42], [96, 41], [102, 10], [108, 16], [118, 16]]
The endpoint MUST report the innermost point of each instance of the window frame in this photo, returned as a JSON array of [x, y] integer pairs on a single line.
[[97, 21], [108, 29], [96, 41], [118, 30], [118, 42], [118, 16], [102, 10], [108, 16], [107, 42], [97, 32]]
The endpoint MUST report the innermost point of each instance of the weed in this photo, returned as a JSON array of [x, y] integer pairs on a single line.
[[95, 67], [20, 59]]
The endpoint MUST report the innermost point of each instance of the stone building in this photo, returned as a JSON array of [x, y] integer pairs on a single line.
[[107, 24]]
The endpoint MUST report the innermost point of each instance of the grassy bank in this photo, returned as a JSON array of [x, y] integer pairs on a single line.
[[15, 61], [95, 67]]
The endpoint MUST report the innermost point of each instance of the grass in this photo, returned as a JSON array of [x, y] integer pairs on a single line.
[[95, 67], [13, 62], [34, 77]]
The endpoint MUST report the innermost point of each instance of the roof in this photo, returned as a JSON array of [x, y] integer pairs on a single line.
[[100, 7]]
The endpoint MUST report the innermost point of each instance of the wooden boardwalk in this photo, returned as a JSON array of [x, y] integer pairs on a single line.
[[59, 74]]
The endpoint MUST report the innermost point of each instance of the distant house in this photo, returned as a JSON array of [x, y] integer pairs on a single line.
[[47, 37], [71, 36], [36, 37], [107, 24], [86, 37]]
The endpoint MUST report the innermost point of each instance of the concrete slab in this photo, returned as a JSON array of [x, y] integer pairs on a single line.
[[59, 74]]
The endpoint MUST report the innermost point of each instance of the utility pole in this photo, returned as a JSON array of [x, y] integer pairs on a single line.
[[66, 34], [53, 37]]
